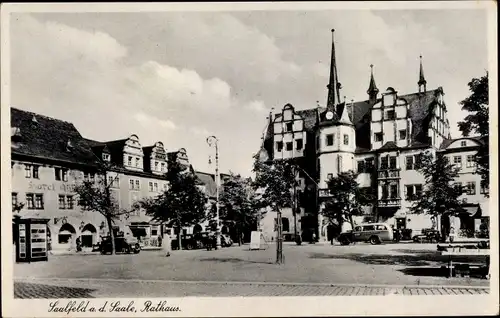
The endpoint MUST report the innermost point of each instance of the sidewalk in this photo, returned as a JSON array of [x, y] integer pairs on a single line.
[[95, 288]]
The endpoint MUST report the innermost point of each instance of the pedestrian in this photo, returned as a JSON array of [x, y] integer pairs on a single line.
[[167, 245], [159, 241]]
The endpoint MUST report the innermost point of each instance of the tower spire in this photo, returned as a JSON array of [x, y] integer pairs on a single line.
[[421, 78], [334, 85], [372, 88]]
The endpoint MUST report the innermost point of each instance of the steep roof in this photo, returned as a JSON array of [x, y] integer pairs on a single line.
[[208, 180], [49, 138], [447, 142]]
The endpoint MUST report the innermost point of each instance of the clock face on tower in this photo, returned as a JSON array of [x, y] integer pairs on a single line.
[[329, 115]]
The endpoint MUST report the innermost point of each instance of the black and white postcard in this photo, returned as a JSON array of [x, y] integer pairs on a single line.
[[249, 159]]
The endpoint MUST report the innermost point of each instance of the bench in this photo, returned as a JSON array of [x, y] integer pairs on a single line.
[[464, 269]]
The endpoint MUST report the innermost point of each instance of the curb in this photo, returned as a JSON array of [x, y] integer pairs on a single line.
[[250, 283]]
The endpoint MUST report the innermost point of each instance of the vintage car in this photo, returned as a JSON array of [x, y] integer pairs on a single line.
[[122, 245], [375, 233]]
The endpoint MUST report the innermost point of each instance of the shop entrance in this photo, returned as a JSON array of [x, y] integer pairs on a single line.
[[89, 234]]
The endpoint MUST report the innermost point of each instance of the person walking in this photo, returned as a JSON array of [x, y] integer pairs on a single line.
[[167, 245]]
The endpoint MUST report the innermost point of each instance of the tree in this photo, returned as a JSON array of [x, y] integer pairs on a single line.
[[182, 204], [96, 196], [477, 104], [439, 195], [238, 203], [274, 182], [346, 198]]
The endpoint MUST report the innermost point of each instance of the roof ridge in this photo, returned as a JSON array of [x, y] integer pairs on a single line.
[[42, 116]]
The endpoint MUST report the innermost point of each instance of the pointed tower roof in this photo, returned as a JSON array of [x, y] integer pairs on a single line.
[[334, 85], [372, 89], [344, 117], [421, 77]]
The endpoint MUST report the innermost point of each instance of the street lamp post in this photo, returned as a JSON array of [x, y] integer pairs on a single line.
[[213, 141]]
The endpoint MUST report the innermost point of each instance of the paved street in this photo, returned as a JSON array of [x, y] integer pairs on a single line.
[[308, 270]]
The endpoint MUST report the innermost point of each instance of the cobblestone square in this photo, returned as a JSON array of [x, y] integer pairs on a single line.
[[405, 269]]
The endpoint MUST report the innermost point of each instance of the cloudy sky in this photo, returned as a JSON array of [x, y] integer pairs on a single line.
[[180, 77]]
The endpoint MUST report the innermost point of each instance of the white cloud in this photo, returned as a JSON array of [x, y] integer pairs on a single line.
[[258, 106], [149, 121]]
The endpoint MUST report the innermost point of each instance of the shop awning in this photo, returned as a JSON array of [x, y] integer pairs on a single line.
[[138, 231], [472, 210]]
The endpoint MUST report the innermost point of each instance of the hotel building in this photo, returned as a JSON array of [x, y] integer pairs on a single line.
[[49, 157]]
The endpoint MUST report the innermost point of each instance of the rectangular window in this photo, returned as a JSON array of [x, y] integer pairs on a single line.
[[384, 163], [27, 171], [155, 187], [409, 163], [418, 190], [14, 199], [150, 186], [35, 172], [106, 157], [137, 185], [279, 146], [38, 201], [361, 166], [346, 139], [300, 144], [62, 202], [402, 134], [369, 165], [392, 162], [30, 200], [285, 223], [463, 143], [131, 184], [137, 162], [483, 189], [64, 173], [458, 186], [390, 115], [394, 191], [162, 166], [289, 146], [457, 160], [329, 140], [378, 136], [70, 203], [129, 160], [470, 161], [57, 174], [471, 188], [165, 186], [156, 166], [385, 192], [409, 193], [289, 127]]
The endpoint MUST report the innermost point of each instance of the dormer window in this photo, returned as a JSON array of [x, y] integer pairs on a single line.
[[137, 162], [69, 145], [106, 157], [156, 166], [15, 133], [162, 166], [129, 160]]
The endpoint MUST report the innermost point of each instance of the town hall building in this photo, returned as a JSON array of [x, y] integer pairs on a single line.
[[380, 138]]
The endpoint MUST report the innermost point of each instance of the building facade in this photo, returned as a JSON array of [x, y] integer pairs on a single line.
[[49, 157], [380, 139]]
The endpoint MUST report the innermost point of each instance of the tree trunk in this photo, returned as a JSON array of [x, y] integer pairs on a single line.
[[238, 234], [351, 221], [111, 234], [179, 238]]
